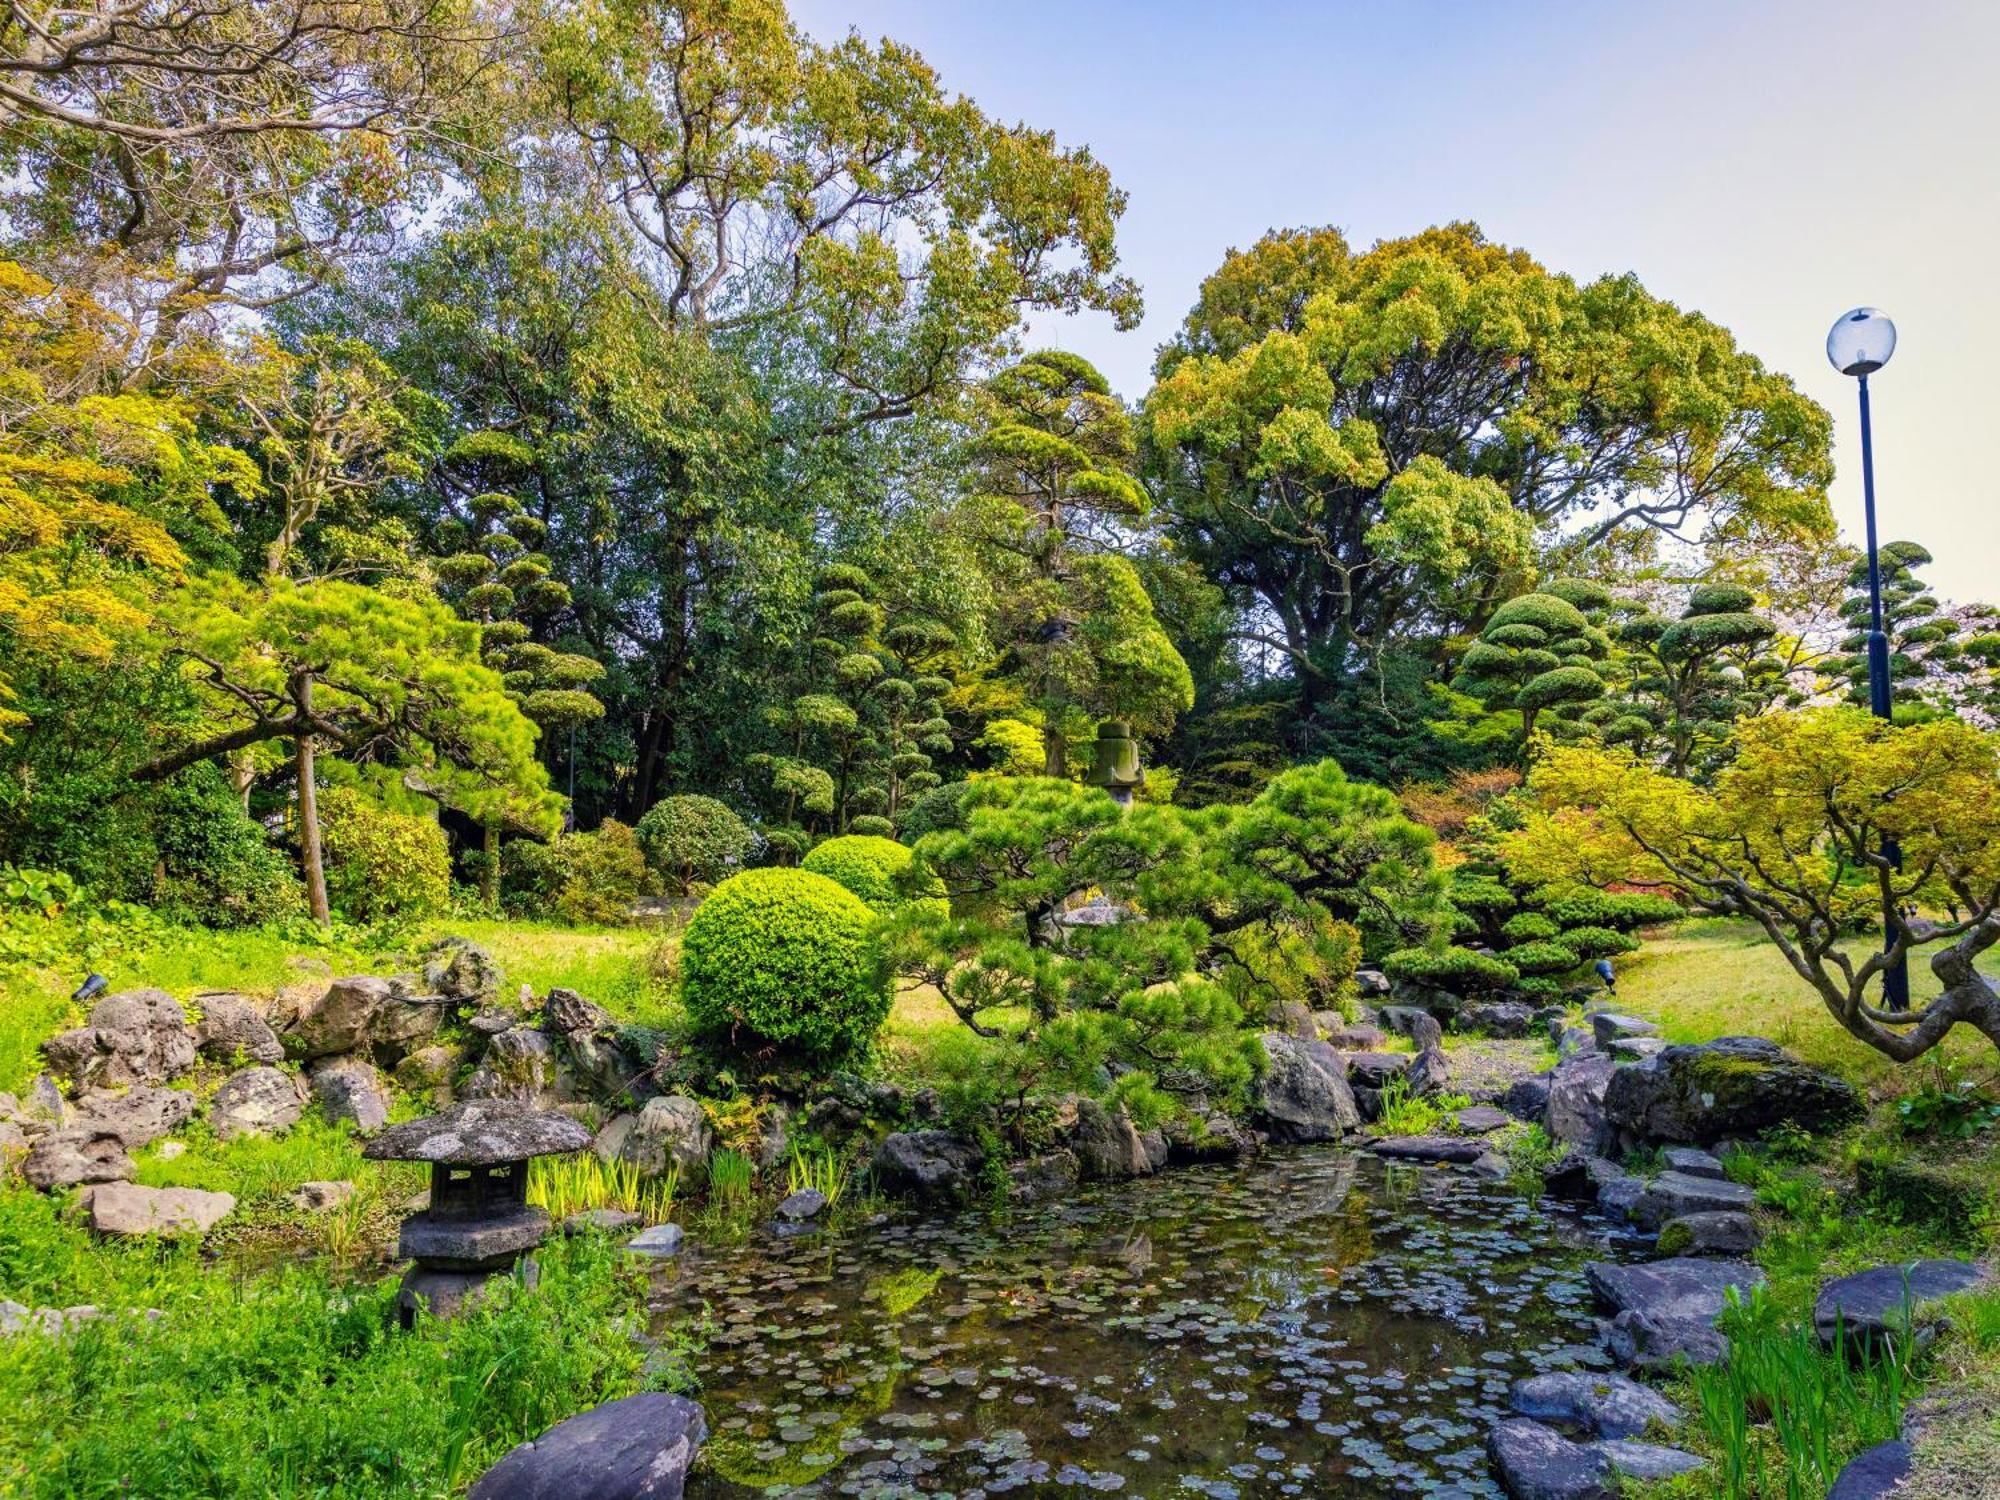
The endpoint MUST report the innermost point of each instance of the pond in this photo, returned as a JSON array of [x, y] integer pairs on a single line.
[[1314, 1323]]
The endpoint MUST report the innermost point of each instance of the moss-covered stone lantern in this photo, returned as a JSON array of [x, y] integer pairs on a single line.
[[479, 1221], [1114, 762]]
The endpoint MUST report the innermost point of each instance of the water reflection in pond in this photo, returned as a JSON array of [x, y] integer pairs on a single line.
[[1315, 1324]]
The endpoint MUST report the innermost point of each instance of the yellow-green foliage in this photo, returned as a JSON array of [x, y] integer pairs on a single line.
[[382, 865], [880, 871], [565, 1185]]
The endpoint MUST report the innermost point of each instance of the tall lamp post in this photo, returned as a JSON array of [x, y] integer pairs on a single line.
[[1859, 344]]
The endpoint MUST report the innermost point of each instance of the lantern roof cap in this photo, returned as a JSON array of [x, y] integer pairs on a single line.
[[479, 1133]]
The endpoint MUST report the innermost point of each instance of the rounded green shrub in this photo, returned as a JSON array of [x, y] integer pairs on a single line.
[[880, 871], [785, 957], [1528, 927], [1599, 942], [691, 841], [1619, 910], [1543, 958], [213, 864], [382, 865], [938, 808], [585, 878], [1453, 969]]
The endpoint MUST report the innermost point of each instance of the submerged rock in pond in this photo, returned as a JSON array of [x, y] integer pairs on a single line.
[[1431, 1148], [640, 1448], [1607, 1406], [1050, 1175], [661, 1239]]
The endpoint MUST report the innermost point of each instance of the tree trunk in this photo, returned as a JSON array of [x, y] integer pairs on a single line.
[[1055, 749], [243, 776], [309, 853], [489, 871]]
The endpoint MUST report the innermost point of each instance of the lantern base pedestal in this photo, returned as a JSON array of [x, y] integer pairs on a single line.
[[446, 1293]]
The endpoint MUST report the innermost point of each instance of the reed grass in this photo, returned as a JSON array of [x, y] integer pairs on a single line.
[[565, 1185]]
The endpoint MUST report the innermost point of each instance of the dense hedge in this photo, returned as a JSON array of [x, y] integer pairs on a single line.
[[382, 865], [1453, 969], [691, 841], [213, 864], [785, 957], [576, 877], [880, 871]]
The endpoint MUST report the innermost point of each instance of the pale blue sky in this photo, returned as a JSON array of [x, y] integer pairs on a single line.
[[1771, 164]]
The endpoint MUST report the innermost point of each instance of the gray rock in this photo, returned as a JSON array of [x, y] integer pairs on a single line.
[[1608, 1026], [1483, 1119], [639, 1448], [668, 1132], [317, 1197], [1672, 1195], [1158, 1153], [1731, 1088], [1871, 1306], [1647, 1461], [407, 1019], [349, 1088], [1040, 1178], [1710, 1234], [1606, 1406], [1375, 1070], [256, 1101], [1534, 1462], [805, 1203], [64, 1158], [1528, 1098], [1429, 1148], [1502, 1018], [602, 1220], [134, 1036], [1677, 1289], [566, 1011], [126, 1210], [520, 1067], [428, 1071], [1428, 1073], [13, 1143], [1578, 1176], [662, 1240], [1106, 1144], [1414, 1022], [1213, 1136], [232, 1030], [44, 1108], [340, 1020], [928, 1164], [1303, 1095], [1371, 981], [1692, 1162], [1643, 1342], [479, 1133], [137, 1116], [1350, 1036], [1637, 1048], [1620, 1197], [1577, 1090], [1876, 1474], [462, 971], [1293, 1017], [1575, 1041]]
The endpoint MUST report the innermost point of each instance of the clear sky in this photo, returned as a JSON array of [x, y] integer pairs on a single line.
[[1771, 164]]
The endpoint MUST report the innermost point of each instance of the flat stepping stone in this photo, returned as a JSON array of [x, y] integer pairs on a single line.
[[1640, 1342], [1483, 1119], [1692, 1161], [1674, 1194], [1681, 1289], [662, 1240], [1647, 1461], [1874, 1474], [1432, 1148], [1871, 1304], [124, 1209], [1637, 1048], [1722, 1233], [1608, 1026], [604, 1220], [1605, 1406], [1538, 1463]]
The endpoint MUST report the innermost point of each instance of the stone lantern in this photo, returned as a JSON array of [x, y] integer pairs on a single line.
[[479, 1222], [1114, 762]]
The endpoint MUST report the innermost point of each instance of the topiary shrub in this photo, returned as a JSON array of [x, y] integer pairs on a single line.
[[1618, 910], [693, 840], [1599, 942], [381, 865], [585, 878], [785, 957], [1543, 958], [939, 808], [880, 871], [213, 864], [1452, 969], [1528, 927]]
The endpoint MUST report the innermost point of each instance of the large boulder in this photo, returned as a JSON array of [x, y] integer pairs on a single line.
[[521, 1066], [1577, 1091], [1606, 1406], [125, 1210], [340, 1019], [1870, 1307], [639, 1448], [933, 1165], [1681, 1290], [461, 971], [256, 1101], [1502, 1018], [1534, 1462], [65, 1158], [134, 1036], [349, 1088], [1303, 1095], [407, 1020], [137, 1116], [1106, 1144], [233, 1031], [673, 1131], [1732, 1088]]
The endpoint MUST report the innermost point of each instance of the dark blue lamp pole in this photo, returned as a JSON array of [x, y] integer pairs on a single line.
[[1859, 345]]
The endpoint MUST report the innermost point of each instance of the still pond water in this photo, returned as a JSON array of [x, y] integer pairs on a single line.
[[1317, 1324]]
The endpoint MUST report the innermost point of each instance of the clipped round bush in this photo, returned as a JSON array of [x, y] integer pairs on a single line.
[[785, 957], [1528, 927], [878, 870], [1543, 611], [1454, 969], [381, 865], [1618, 910], [939, 808], [1599, 942], [1480, 893], [1543, 958], [692, 840]]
